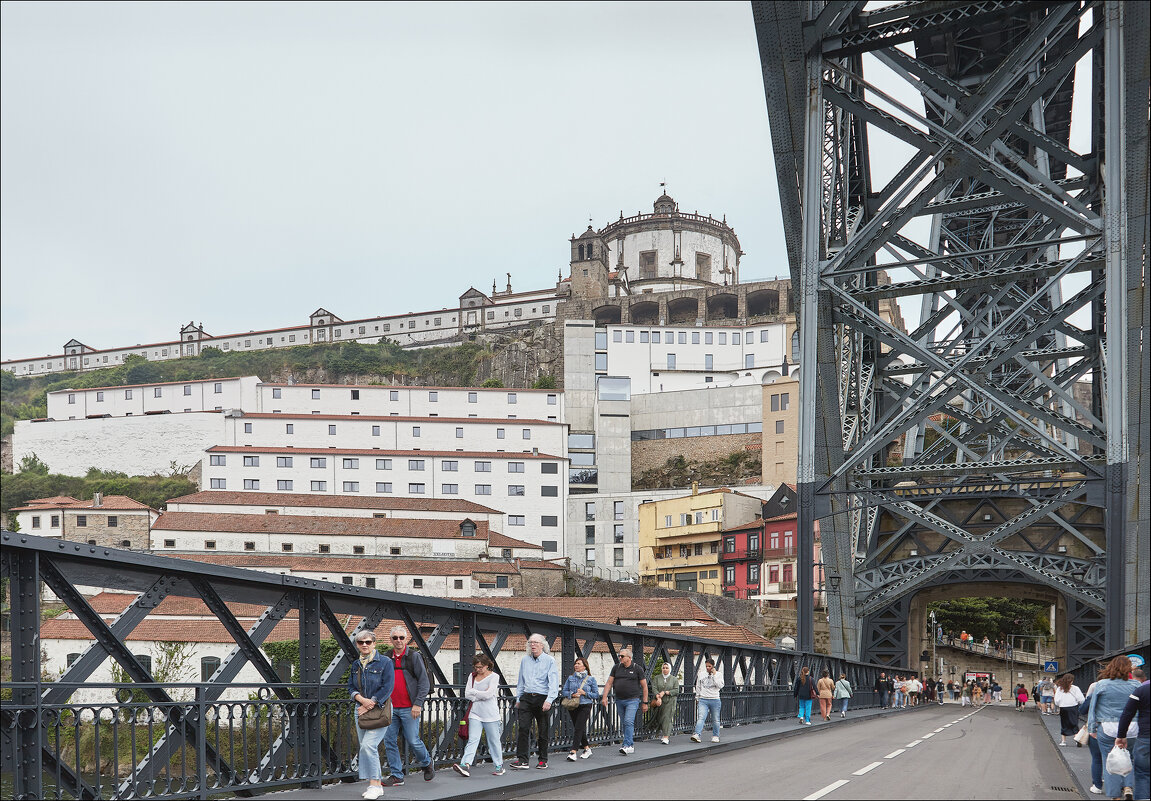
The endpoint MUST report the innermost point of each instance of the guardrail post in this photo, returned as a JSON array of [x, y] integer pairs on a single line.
[[201, 744], [308, 716], [23, 570]]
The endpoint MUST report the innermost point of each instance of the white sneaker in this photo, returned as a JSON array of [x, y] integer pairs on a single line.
[[715, 739], [1096, 790], [586, 753], [807, 723], [629, 749], [695, 738], [374, 792], [572, 757], [665, 740]]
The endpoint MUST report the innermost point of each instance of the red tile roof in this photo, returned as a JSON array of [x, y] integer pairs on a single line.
[[152, 383], [380, 565], [302, 499], [604, 610], [313, 524], [116, 503]]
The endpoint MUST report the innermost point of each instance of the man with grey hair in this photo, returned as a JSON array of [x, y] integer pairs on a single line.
[[411, 688], [536, 688]]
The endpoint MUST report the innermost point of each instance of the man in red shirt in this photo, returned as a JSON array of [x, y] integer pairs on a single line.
[[411, 688]]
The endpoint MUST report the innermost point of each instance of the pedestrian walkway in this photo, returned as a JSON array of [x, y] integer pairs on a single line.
[[1078, 760], [605, 761]]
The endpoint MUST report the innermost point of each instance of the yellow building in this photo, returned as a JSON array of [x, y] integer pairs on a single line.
[[679, 538]]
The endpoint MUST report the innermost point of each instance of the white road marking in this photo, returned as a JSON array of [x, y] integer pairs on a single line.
[[931, 734], [821, 793], [894, 754], [941, 728], [864, 770], [948, 725], [913, 743]]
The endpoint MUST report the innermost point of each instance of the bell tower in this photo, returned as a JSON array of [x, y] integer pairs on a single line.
[[589, 266]]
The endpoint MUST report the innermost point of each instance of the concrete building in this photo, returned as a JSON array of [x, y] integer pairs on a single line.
[[157, 398], [680, 538], [273, 503]]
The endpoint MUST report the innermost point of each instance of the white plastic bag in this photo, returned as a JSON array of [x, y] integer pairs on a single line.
[[1119, 762]]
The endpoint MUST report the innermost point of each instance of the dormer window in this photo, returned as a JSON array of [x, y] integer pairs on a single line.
[[467, 529]]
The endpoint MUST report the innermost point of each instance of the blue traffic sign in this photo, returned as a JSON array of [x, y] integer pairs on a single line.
[[1051, 667]]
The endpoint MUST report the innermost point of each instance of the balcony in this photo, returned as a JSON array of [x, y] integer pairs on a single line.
[[743, 555], [779, 553], [786, 586], [587, 475]]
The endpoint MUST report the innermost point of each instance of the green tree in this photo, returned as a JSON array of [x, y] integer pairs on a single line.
[[493, 383], [32, 464], [545, 382]]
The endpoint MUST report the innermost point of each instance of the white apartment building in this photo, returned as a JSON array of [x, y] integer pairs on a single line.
[[286, 503], [375, 400], [528, 487], [159, 398], [394, 433]]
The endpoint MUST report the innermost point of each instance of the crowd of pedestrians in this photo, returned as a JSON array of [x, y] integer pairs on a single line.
[[1000, 646], [1113, 711]]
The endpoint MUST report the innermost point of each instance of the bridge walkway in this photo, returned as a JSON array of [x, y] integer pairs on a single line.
[[605, 762]]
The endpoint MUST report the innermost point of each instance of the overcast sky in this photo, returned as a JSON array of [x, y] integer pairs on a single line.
[[242, 164]]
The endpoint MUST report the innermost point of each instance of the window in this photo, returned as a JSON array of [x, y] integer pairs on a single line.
[[549, 492], [671, 361], [277, 392], [217, 460], [617, 532], [351, 464], [383, 486], [383, 464], [511, 397], [729, 575], [351, 486], [698, 517], [251, 461], [345, 579], [370, 583], [355, 394], [289, 428], [128, 392], [394, 395], [516, 520], [549, 521], [753, 573], [331, 430], [283, 461], [549, 468], [315, 394], [450, 489], [418, 583], [459, 432], [72, 398], [99, 397], [483, 467], [285, 546], [247, 428], [483, 489], [753, 542], [35, 522], [318, 461], [527, 433], [416, 465], [209, 545], [284, 484], [515, 489], [217, 483], [319, 486], [778, 426], [499, 433], [722, 337], [415, 431], [433, 397], [251, 483], [416, 489]]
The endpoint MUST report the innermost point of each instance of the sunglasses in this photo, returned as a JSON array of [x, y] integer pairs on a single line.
[[401, 639], [365, 642]]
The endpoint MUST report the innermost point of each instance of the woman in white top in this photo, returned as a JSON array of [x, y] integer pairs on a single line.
[[483, 691], [1068, 697]]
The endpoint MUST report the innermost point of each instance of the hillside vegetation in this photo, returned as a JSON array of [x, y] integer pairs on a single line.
[[348, 362]]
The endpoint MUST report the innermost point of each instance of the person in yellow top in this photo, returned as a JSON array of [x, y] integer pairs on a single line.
[[826, 689]]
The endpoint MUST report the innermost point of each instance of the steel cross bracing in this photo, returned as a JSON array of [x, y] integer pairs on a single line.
[[219, 736], [946, 177]]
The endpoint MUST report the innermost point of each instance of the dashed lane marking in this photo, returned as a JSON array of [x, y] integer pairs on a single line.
[[930, 734], [867, 769], [895, 753], [913, 743], [939, 729], [821, 793]]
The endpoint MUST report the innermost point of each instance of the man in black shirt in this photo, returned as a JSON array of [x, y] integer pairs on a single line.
[[1138, 703], [630, 685], [881, 688]]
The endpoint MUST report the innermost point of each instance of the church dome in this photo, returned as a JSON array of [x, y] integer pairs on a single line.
[[664, 204], [590, 233]]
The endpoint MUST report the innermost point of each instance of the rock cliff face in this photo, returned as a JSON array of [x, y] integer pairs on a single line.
[[6, 454]]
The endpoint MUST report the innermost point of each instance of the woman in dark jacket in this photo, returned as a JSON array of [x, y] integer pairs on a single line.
[[804, 691], [370, 685]]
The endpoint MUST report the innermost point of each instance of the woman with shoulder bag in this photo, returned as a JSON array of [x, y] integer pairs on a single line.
[[579, 695], [825, 687], [483, 690], [804, 690], [1068, 697], [370, 686], [665, 689], [843, 694]]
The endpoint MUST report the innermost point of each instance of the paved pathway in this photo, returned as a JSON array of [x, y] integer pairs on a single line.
[[606, 761]]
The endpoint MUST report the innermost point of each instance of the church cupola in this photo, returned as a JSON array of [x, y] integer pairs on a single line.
[[664, 204]]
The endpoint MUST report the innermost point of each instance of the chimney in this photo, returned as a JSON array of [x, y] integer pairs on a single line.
[[535, 451], [98, 499], [695, 488]]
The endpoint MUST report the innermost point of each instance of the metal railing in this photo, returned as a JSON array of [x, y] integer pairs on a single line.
[[79, 737]]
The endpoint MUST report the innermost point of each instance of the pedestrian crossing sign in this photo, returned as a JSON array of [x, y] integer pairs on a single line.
[[1051, 667]]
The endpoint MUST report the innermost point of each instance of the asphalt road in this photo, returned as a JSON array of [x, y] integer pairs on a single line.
[[946, 752]]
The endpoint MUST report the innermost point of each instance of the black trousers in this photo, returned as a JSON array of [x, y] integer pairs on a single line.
[[529, 708], [580, 716]]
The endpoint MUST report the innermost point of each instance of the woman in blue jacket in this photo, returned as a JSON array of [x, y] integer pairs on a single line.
[[1108, 697], [370, 685], [581, 685]]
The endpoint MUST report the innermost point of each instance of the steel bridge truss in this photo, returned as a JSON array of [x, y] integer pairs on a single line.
[[288, 730], [924, 155]]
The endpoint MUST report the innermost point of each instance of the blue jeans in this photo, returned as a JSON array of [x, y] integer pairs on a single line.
[[900, 698], [704, 707], [843, 705], [402, 719], [626, 709], [1096, 762], [494, 730], [1141, 756], [805, 710], [370, 739], [1113, 784]]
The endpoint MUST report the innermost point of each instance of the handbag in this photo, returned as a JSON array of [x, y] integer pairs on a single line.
[[378, 716], [572, 704], [462, 732], [1081, 736]]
